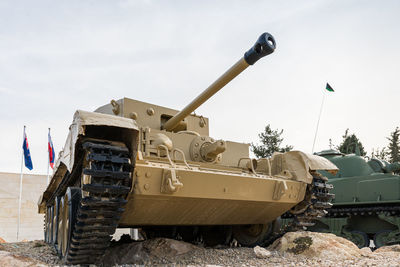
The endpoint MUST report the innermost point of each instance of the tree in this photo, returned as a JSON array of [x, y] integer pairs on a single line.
[[393, 146], [379, 153], [271, 141], [350, 143]]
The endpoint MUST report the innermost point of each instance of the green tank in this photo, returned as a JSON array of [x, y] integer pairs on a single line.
[[367, 200]]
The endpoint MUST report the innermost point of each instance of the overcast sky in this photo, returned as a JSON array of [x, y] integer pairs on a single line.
[[57, 57]]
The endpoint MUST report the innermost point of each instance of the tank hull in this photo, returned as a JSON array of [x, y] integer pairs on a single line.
[[207, 197]]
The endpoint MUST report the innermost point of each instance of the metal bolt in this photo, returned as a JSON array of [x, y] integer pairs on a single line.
[[133, 115], [138, 173], [148, 174], [146, 187], [150, 111]]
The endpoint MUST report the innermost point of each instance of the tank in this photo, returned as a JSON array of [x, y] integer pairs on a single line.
[[367, 200], [132, 164]]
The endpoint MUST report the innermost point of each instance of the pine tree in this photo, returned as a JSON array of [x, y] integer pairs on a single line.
[[271, 141], [350, 143], [393, 146]]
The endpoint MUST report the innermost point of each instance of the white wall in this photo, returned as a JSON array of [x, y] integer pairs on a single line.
[[31, 227]]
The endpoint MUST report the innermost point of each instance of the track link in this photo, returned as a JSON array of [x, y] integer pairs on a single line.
[[107, 171], [317, 199]]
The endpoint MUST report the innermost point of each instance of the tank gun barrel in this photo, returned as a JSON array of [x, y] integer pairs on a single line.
[[265, 45]]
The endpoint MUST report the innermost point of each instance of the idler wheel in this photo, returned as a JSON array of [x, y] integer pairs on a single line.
[[252, 234]]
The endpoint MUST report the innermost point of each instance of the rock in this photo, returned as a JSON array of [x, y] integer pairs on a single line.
[[261, 253], [166, 247], [393, 248], [365, 251], [2, 240], [9, 260], [316, 245]]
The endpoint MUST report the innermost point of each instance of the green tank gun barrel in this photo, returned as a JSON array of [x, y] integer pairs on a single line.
[[265, 45], [393, 167]]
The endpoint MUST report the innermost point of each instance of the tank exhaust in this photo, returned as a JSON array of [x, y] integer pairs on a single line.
[[264, 46]]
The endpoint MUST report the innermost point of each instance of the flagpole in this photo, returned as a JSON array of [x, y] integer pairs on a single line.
[[319, 117], [20, 188], [48, 157]]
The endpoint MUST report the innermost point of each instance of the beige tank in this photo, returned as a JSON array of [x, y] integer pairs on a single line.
[[138, 165]]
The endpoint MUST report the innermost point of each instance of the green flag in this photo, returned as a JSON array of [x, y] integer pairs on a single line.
[[329, 88]]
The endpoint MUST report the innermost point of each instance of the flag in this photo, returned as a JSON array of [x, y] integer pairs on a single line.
[[27, 154], [51, 152], [329, 88]]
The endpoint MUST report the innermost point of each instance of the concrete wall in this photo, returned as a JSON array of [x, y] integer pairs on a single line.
[[31, 227]]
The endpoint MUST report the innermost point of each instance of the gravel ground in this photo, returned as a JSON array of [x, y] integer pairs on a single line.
[[199, 256]]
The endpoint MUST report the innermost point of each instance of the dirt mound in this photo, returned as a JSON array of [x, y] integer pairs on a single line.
[[316, 245], [293, 249], [142, 252], [394, 248], [8, 259]]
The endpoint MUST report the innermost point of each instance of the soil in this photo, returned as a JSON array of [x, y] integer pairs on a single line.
[[168, 252]]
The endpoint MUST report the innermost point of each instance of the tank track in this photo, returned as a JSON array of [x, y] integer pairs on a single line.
[[337, 212], [108, 172], [316, 201]]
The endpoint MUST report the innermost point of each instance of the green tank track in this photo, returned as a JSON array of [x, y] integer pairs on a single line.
[[389, 210], [101, 203]]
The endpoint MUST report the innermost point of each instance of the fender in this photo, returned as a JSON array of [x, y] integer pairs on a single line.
[[296, 165], [89, 125]]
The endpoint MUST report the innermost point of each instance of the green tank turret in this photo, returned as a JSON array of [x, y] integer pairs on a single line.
[[367, 200]]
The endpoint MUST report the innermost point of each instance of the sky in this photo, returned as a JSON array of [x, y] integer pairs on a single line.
[[60, 56]]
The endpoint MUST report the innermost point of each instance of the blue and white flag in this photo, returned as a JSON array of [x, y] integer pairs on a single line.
[[27, 154]]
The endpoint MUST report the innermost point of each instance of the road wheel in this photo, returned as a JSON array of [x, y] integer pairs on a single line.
[[380, 238], [252, 234], [54, 223], [188, 233], [60, 226], [216, 235], [47, 225], [70, 206], [359, 238]]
